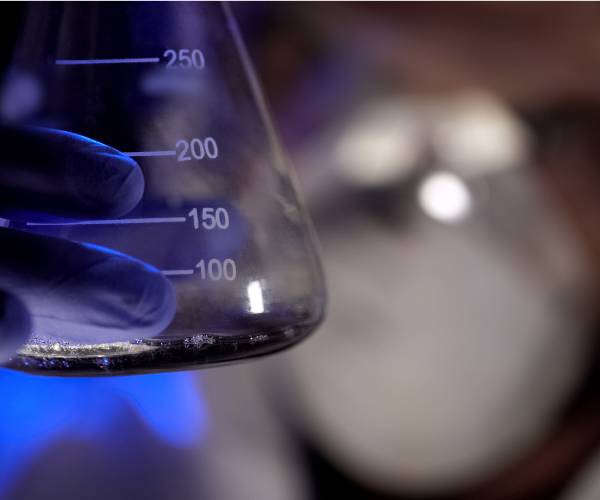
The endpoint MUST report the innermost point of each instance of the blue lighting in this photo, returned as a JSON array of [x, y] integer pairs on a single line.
[[112, 251], [36, 411]]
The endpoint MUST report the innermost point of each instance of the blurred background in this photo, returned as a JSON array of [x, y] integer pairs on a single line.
[[448, 154]]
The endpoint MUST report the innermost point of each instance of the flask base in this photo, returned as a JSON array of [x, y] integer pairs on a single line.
[[153, 355]]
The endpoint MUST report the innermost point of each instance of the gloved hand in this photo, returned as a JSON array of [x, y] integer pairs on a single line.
[[74, 291]]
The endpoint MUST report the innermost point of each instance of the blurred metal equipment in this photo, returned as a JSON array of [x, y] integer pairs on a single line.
[[460, 296]]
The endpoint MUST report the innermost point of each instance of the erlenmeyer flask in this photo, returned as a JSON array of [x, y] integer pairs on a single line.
[[170, 85]]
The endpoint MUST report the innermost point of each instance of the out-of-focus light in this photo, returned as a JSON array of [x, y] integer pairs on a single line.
[[36, 411], [171, 82], [444, 196], [21, 96], [476, 134], [255, 297], [381, 145], [179, 422]]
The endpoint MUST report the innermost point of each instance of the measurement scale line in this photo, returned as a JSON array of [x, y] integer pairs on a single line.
[[151, 220], [177, 272], [132, 60], [151, 153]]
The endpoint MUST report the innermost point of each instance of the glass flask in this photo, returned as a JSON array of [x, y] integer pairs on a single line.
[[171, 86]]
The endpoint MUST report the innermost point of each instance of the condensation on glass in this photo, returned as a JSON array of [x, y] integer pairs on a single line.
[[170, 84]]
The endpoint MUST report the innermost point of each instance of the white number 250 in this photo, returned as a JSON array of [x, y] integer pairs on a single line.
[[184, 58]]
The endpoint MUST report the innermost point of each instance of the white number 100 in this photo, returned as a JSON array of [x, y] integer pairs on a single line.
[[216, 269]]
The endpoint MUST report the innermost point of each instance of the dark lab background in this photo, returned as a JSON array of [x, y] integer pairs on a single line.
[[448, 156]]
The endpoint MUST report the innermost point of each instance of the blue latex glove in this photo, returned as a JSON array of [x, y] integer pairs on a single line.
[[77, 292]]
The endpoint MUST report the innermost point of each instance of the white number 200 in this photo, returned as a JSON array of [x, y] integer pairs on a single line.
[[196, 149]]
